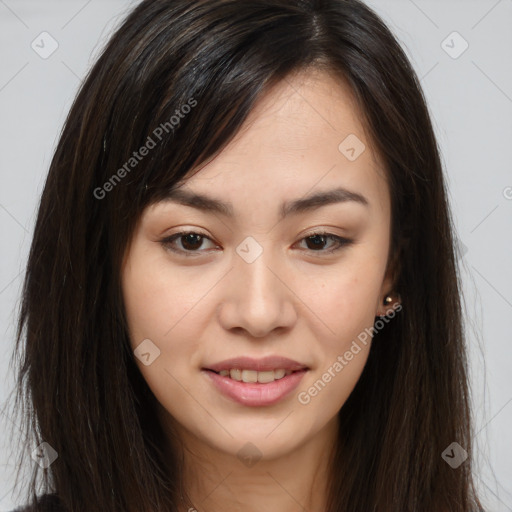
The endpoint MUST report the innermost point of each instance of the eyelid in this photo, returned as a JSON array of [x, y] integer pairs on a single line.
[[340, 240], [168, 240]]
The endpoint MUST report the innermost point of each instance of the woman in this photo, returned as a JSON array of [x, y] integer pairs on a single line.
[[242, 290]]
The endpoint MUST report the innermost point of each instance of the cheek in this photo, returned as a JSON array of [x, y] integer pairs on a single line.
[[328, 391], [158, 299], [164, 306], [156, 311], [342, 360], [344, 305], [343, 299]]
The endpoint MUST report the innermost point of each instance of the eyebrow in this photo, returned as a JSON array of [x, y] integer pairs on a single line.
[[308, 203]]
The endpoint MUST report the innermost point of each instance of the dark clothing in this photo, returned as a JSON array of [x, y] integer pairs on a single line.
[[46, 503]]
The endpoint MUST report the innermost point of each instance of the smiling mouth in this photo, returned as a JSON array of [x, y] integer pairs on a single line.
[[253, 376], [253, 388]]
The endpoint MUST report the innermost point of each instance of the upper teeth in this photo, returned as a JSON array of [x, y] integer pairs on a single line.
[[254, 376]]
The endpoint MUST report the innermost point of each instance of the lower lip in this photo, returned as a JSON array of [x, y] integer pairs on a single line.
[[255, 394]]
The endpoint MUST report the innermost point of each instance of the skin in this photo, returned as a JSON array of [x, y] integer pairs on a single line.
[[295, 300]]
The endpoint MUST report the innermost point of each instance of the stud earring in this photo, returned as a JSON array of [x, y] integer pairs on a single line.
[[388, 299]]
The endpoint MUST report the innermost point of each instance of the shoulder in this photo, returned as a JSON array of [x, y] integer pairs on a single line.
[[45, 503]]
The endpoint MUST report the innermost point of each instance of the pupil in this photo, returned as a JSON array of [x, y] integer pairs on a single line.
[[317, 237], [192, 237]]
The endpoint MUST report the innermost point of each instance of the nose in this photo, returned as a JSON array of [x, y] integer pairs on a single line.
[[257, 297]]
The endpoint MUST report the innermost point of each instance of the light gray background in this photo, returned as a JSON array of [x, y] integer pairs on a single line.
[[470, 98]]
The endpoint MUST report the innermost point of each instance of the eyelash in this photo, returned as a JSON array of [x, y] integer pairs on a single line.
[[166, 242]]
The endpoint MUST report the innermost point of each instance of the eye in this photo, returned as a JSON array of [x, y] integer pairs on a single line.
[[191, 242], [316, 240]]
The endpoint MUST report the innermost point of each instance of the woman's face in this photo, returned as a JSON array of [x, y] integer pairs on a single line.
[[251, 289]]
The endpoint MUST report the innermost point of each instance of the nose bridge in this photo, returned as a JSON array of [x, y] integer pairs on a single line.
[[259, 301], [254, 261]]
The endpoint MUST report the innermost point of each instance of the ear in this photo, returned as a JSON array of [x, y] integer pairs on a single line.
[[388, 287]]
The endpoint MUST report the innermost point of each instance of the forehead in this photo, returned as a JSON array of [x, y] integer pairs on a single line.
[[293, 143]]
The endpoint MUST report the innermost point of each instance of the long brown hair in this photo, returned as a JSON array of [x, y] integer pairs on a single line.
[[186, 74]]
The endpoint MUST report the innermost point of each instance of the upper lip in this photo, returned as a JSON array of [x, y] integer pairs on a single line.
[[259, 365]]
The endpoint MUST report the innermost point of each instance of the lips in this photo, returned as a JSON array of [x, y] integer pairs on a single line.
[[256, 382], [270, 363], [255, 394]]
